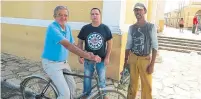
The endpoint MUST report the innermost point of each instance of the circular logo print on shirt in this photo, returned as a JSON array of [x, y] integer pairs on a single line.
[[95, 41]]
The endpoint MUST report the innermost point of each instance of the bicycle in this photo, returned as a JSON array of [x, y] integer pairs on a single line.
[[124, 81], [47, 89], [123, 84]]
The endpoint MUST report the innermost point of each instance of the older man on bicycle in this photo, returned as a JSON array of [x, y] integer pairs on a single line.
[[58, 42]]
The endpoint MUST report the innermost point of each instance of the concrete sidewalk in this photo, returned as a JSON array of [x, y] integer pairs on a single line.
[[173, 32]]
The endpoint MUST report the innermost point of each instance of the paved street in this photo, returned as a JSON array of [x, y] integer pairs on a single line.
[[14, 69], [177, 76]]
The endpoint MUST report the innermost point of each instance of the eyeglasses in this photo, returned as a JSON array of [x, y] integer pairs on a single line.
[[62, 15]]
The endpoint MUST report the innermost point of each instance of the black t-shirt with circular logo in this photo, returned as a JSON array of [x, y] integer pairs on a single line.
[[95, 38]]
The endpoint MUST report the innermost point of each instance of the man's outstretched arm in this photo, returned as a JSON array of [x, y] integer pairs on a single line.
[[74, 49]]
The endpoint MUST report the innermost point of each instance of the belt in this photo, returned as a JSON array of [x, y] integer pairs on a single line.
[[61, 61], [137, 54], [65, 61], [141, 54], [148, 57]]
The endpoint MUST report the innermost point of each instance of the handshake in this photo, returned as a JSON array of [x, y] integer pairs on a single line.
[[95, 58], [91, 57]]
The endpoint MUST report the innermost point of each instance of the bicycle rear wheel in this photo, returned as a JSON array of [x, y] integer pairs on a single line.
[[32, 88], [110, 94]]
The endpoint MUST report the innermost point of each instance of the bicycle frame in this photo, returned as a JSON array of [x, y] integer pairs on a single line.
[[50, 83], [44, 90], [122, 83], [93, 77]]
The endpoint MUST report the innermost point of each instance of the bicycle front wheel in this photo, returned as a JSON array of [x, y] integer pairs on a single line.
[[110, 94], [35, 87]]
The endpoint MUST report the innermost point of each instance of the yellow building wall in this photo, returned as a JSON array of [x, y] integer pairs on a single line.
[[149, 12], [28, 41], [78, 10], [187, 13], [24, 41], [161, 25], [160, 17], [195, 2], [129, 17], [187, 17]]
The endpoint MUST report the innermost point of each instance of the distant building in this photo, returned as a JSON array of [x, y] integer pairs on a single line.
[[186, 12]]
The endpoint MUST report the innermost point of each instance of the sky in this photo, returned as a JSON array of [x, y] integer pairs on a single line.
[[173, 4]]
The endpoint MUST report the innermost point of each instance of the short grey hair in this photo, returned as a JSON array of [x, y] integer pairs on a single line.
[[59, 8]]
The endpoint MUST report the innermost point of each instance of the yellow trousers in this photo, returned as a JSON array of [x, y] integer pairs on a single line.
[[138, 67]]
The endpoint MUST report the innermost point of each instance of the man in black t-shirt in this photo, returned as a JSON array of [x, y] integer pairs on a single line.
[[98, 40]]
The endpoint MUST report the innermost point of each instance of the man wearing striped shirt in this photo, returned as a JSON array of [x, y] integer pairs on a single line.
[[141, 42]]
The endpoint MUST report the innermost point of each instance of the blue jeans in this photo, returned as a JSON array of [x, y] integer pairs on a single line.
[[89, 70]]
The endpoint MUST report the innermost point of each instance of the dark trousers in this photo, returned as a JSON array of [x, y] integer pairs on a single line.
[[194, 28]]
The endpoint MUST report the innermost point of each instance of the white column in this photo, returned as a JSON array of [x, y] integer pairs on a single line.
[[154, 10], [113, 14], [160, 10]]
